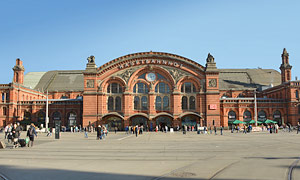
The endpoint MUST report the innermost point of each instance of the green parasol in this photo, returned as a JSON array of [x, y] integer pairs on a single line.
[[238, 122], [253, 122], [268, 121]]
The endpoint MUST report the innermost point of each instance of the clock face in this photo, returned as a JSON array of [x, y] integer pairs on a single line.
[[151, 77]]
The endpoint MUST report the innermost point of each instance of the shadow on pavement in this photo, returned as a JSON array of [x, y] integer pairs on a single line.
[[17, 173]]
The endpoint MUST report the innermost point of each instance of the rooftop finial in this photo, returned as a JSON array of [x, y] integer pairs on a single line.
[[91, 59], [210, 58], [285, 52]]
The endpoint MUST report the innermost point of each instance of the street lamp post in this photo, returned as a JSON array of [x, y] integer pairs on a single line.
[[255, 108], [47, 117]]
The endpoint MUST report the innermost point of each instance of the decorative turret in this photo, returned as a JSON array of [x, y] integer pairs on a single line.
[[18, 72], [210, 63], [285, 67]]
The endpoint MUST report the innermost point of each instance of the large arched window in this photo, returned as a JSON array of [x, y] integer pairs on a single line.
[[247, 116], [114, 88], [114, 101], [56, 116], [140, 91], [158, 103], [277, 116], [188, 89], [163, 96], [110, 103], [41, 117], [162, 88], [184, 102], [231, 115], [262, 115]]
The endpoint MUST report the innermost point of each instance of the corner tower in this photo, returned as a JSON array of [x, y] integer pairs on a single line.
[[285, 67], [18, 72], [212, 93]]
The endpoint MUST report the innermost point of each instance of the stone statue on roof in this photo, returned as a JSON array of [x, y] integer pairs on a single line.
[[210, 58], [91, 59]]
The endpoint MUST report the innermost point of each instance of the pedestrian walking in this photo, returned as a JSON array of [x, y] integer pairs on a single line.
[[215, 129], [116, 129], [210, 130], [99, 136], [86, 132], [221, 130], [31, 133], [6, 131], [298, 127], [136, 129]]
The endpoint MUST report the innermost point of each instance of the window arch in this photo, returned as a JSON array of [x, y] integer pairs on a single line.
[[188, 87], [262, 115], [231, 115], [162, 88], [140, 88], [141, 96], [247, 115], [114, 88]]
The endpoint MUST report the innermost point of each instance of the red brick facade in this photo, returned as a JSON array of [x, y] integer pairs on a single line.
[[152, 89]]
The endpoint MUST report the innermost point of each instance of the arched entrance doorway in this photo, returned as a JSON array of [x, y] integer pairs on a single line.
[[247, 116], [190, 120], [41, 116], [262, 116], [114, 121], [140, 121], [27, 116], [163, 121], [277, 117]]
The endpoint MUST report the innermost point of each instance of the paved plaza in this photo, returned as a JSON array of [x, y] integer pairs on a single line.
[[156, 156]]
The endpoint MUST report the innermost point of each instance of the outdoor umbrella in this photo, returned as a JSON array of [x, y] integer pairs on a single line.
[[238, 122], [253, 122], [270, 121]]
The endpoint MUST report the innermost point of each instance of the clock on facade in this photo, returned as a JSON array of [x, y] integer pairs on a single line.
[[151, 77]]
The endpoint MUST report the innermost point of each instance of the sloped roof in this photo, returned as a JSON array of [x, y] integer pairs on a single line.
[[243, 79], [31, 79], [56, 80], [229, 79]]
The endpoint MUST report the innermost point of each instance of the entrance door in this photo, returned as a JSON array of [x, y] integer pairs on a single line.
[[113, 122], [163, 121], [140, 121], [189, 121]]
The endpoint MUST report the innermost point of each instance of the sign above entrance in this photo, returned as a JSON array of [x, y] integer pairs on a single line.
[[150, 61]]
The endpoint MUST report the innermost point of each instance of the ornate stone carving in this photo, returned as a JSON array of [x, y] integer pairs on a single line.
[[212, 83], [177, 74], [126, 75], [91, 59], [90, 83], [210, 58]]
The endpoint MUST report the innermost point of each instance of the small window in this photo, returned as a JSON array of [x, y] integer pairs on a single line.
[[158, 103], [144, 103], [166, 103], [4, 111], [184, 102], [110, 103]]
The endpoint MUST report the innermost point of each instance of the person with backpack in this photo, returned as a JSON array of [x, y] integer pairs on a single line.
[[30, 133]]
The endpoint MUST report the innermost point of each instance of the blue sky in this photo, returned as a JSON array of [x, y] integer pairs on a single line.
[[61, 34]]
